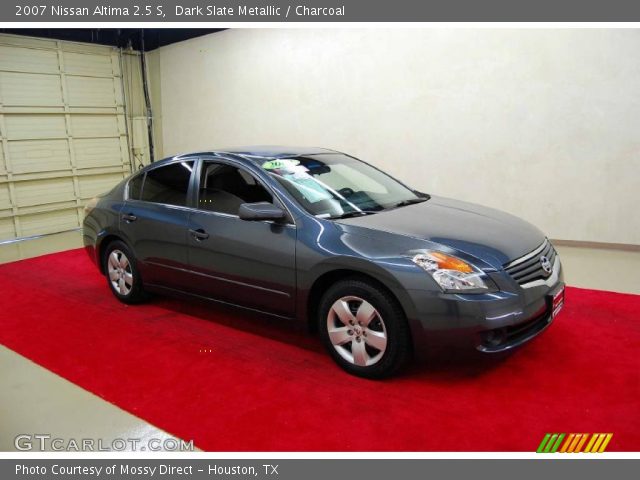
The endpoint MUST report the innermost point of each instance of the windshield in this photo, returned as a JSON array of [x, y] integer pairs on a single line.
[[336, 185]]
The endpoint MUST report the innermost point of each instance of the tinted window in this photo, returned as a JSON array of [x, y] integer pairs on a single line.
[[224, 188], [135, 186], [334, 185], [168, 184]]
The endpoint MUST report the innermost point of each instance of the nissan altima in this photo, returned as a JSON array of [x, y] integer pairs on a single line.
[[381, 271]]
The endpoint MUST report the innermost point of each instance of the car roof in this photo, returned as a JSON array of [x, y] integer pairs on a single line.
[[263, 151], [250, 153], [274, 151]]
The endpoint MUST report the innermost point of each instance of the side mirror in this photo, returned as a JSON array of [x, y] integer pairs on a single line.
[[260, 211]]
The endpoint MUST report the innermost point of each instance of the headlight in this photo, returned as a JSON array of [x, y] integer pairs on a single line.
[[450, 272]]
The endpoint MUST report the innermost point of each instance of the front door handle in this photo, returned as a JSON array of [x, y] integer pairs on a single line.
[[129, 217], [199, 234]]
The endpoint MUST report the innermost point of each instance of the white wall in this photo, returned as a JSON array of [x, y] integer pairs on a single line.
[[541, 123]]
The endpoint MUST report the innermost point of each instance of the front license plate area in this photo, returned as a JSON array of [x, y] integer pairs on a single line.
[[556, 301]]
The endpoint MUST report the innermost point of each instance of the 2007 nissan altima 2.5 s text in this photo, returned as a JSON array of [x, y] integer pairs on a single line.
[[380, 270]]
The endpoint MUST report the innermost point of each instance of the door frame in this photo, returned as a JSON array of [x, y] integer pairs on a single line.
[[287, 223], [228, 160]]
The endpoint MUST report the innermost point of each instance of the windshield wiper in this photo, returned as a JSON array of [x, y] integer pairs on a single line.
[[411, 201], [356, 213]]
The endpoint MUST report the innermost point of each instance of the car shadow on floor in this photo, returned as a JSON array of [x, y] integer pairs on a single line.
[[268, 326], [442, 365], [453, 364]]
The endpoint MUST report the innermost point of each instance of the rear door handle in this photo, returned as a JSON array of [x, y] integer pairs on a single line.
[[129, 217], [199, 234]]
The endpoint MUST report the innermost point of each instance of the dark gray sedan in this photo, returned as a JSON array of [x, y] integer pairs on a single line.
[[379, 269]]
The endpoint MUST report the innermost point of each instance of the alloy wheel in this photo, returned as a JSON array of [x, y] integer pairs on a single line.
[[120, 272], [357, 331]]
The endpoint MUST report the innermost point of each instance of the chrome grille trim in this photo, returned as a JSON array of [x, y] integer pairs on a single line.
[[527, 270], [527, 256], [549, 282]]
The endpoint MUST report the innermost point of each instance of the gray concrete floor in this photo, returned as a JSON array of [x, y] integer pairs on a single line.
[[36, 401]]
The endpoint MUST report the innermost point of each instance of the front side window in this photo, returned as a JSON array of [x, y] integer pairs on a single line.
[[223, 188], [336, 185], [168, 184]]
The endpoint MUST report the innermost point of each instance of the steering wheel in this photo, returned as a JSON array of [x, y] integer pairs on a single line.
[[346, 191]]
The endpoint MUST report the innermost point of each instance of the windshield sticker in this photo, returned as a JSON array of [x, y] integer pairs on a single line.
[[284, 163], [309, 187]]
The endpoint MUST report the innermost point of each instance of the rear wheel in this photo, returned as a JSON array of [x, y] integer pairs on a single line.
[[364, 329], [122, 273]]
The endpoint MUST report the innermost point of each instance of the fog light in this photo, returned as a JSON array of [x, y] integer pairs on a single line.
[[494, 338]]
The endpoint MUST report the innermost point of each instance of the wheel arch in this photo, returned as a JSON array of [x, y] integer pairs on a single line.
[[328, 277], [104, 241]]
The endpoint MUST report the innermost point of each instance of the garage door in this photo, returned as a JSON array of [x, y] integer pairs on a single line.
[[63, 131]]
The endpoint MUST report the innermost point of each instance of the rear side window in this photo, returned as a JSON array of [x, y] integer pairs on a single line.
[[168, 184], [135, 187]]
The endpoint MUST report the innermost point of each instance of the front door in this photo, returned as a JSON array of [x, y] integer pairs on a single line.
[[248, 263]]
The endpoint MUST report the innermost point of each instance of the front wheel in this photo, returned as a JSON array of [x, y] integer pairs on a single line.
[[122, 273], [364, 329]]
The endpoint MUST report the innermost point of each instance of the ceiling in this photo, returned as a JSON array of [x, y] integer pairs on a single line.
[[143, 39]]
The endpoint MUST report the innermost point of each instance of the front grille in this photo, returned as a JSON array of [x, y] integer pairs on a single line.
[[529, 267]]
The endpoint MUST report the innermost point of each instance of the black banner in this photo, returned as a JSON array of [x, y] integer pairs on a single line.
[[318, 11], [287, 469]]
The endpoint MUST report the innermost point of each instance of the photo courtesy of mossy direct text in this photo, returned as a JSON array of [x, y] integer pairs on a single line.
[[98, 470], [124, 469]]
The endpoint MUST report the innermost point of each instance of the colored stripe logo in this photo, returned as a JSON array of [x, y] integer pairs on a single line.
[[574, 443]]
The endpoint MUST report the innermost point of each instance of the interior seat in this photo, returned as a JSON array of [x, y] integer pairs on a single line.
[[216, 200]]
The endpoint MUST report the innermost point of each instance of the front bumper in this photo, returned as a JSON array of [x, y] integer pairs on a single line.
[[490, 322], [506, 338]]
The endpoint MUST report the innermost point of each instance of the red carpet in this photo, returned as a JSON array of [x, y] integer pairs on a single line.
[[265, 387]]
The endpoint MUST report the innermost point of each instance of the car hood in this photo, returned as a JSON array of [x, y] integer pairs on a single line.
[[490, 235]]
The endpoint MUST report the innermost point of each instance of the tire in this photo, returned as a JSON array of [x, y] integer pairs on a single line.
[[379, 332], [121, 271]]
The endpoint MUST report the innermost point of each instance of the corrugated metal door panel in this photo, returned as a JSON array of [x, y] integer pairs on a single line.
[[92, 185], [5, 201], [90, 65], [44, 192], [48, 222], [95, 126], [63, 131], [39, 155], [28, 60], [33, 127], [97, 152], [7, 229], [34, 42], [87, 48], [30, 89], [91, 92]]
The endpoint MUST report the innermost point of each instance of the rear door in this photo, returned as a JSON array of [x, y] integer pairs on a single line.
[[154, 221], [248, 263]]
